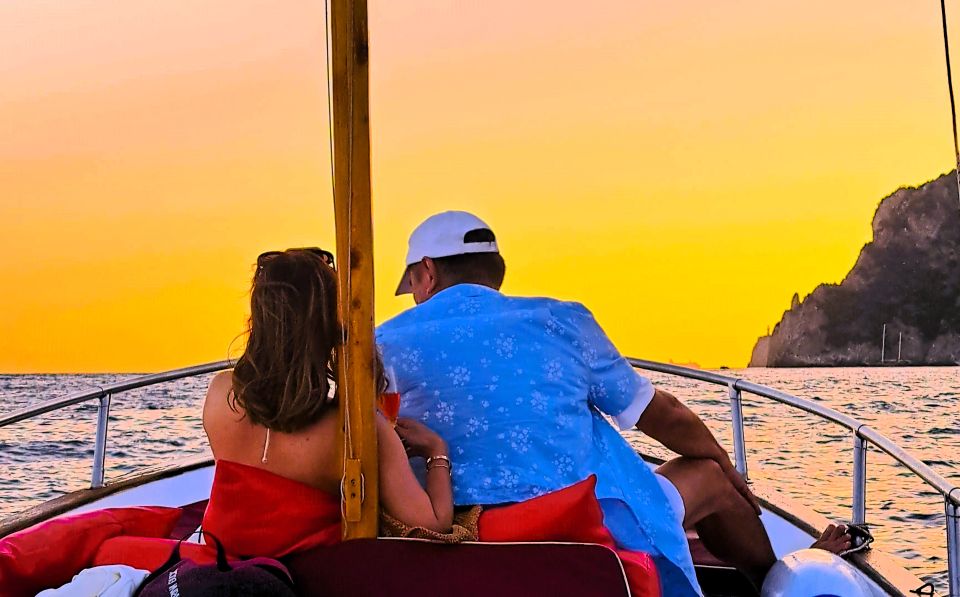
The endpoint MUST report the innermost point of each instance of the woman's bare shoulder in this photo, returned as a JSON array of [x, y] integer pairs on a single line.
[[216, 404], [222, 379]]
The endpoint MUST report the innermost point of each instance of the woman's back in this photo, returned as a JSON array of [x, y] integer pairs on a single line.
[[273, 493], [308, 455]]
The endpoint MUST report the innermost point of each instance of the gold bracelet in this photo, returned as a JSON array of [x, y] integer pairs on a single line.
[[439, 460]]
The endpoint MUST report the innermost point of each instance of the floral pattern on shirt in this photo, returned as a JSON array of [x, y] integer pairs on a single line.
[[518, 387]]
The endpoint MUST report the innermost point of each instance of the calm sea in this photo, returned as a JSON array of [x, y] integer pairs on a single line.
[[801, 456]]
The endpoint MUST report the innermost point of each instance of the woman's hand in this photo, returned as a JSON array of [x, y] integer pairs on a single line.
[[401, 495], [420, 440]]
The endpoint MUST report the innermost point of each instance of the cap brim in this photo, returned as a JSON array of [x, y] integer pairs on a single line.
[[405, 287]]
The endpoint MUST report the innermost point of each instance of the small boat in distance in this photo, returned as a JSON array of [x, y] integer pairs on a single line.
[[883, 350]]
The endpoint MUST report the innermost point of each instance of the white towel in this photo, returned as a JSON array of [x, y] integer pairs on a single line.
[[101, 581]]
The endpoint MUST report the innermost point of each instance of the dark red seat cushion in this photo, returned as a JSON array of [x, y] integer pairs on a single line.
[[414, 568]]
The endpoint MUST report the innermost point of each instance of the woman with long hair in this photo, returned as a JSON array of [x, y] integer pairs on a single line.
[[272, 423]]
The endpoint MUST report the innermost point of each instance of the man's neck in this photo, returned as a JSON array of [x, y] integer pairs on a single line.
[[455, 284]]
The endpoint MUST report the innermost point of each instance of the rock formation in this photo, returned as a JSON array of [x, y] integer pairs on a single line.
[[907, 277]]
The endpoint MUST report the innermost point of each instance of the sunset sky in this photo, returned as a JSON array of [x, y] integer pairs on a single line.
[[682, 168]]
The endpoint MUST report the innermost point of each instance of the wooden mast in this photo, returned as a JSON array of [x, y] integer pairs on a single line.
[[351, 197]]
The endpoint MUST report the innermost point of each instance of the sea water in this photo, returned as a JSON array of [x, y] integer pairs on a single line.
[[803, 457]]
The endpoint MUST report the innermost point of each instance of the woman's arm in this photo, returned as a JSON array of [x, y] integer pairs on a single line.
[[400, 493]]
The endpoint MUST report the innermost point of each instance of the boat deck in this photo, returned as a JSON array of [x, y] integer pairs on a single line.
[[790, 525]]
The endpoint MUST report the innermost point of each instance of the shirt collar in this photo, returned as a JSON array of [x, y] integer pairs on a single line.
[[463, 291]]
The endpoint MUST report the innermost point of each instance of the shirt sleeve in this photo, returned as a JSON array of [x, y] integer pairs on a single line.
[[613, 385]]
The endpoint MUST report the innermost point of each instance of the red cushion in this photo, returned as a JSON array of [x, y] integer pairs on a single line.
[[49, 554], [148, 553], [570, 514], [641, 573]]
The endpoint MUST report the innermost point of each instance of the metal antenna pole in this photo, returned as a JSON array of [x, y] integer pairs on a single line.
[[883, 344]]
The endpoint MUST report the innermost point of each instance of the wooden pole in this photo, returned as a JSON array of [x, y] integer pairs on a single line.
[[351, 156]]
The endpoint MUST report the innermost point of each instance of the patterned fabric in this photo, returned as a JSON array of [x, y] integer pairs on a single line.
[[464, 527], [518, 388]]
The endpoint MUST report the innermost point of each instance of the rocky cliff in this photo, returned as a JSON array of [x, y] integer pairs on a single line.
[[907, 277]]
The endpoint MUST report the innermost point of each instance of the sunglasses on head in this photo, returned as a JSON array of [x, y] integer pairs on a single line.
[[324, 255]]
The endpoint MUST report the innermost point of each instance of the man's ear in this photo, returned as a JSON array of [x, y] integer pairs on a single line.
[[433, 275]]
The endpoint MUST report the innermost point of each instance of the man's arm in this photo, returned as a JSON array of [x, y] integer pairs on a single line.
[[671, 423]]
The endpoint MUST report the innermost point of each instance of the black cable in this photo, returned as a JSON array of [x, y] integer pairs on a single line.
[[328, 43], [953, 105]]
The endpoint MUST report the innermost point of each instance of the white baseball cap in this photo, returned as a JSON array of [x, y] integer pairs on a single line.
[[445, 235]]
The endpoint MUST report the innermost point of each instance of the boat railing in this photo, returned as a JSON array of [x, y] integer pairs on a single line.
[[104, 395], [862, 435]]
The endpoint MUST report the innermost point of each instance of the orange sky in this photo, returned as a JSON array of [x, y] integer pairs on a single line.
[[681, 167]]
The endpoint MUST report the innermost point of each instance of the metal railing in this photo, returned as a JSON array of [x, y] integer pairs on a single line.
[[104, 395], [862, 434]]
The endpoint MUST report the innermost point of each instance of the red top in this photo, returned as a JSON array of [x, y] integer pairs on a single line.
[[254, 512]]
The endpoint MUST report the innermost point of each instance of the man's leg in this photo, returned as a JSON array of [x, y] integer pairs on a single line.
[[725, 521]]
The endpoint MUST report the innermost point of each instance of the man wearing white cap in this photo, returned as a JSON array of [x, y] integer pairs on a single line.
[[458, 242], [517, 387]]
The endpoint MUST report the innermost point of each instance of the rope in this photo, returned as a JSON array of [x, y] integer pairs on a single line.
[[953, 105]]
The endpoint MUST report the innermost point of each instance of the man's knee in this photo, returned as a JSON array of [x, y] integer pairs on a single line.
[[713, 475], [706, 470], [712, 482]]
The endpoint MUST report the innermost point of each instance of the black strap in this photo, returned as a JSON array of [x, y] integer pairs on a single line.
[[222, 564], [175, 558], [172, 561]]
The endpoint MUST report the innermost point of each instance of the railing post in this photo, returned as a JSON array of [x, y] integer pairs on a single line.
[[859, 480], [953, 546], [736, 417], [100, 447]]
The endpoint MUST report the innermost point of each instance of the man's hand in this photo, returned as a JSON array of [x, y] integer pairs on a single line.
[[668, 421], [740, 484]]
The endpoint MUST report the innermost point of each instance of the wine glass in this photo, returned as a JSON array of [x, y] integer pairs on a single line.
[[388, 402]]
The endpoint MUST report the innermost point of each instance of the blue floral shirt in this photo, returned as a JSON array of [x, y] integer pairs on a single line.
[[518, 388]]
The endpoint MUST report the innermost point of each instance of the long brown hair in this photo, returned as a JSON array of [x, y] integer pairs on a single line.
[[283, 379]]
